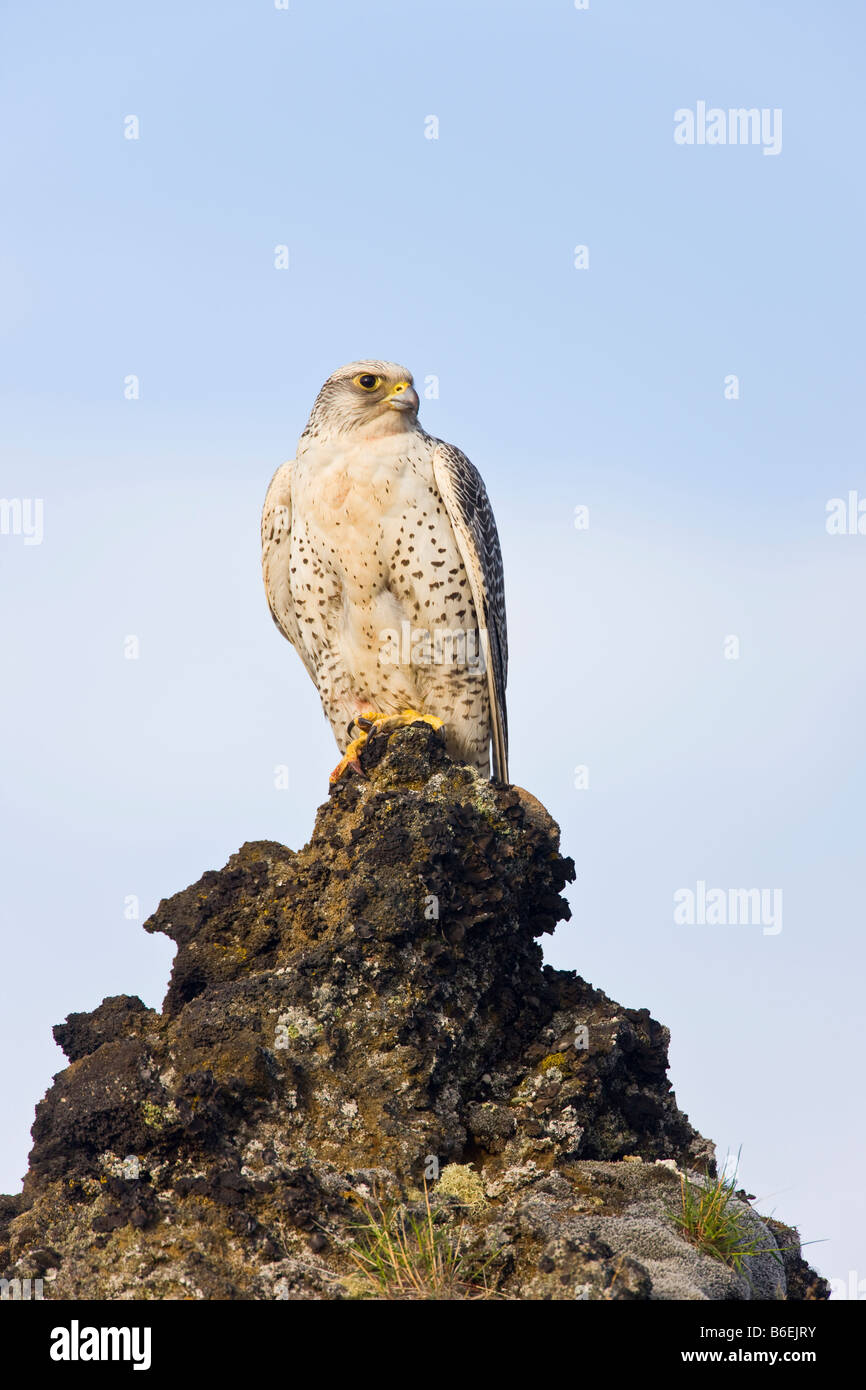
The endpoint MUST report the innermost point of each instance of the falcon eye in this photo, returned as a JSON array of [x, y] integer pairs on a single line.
[[368, 381]]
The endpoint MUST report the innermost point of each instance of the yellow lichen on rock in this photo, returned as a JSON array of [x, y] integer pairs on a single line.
[[555, 1059], [458, 1180]]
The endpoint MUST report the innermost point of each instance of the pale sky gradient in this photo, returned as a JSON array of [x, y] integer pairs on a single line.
[[602, 387]]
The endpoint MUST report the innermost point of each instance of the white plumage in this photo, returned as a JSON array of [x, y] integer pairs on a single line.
[[382, 567]]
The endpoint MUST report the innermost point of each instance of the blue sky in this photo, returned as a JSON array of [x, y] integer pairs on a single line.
[[601, 387]]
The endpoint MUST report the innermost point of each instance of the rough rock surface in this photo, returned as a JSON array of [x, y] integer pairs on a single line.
[[351, 1022]]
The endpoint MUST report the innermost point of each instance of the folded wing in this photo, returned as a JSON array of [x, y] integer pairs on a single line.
[[465, 496]]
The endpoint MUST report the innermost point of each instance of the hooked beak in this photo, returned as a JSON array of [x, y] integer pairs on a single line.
[[402, 397]]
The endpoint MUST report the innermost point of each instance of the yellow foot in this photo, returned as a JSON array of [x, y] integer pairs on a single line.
[[368, 722], [387, 723], [349, 759]]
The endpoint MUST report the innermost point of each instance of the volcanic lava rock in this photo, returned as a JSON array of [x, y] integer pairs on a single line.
[[344, 1026]]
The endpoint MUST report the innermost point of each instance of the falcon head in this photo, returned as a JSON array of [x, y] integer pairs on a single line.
[[367, 398]]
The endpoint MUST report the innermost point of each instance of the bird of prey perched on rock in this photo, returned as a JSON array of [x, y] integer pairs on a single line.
[[382, 567]]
